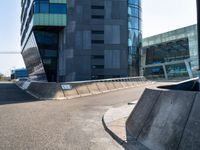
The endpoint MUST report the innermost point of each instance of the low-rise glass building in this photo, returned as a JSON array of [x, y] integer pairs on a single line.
[[171, 55]]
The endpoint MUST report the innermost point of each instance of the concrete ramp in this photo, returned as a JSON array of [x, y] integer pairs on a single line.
[[166, 120]]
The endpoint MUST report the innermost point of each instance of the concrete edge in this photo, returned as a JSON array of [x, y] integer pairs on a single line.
[[111, 133], [106, 120], [27, 91], [39, 98], [83, 95], [44, 98]]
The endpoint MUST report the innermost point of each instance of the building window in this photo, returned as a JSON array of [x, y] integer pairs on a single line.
[[36, 7], [97, 7], [44, 7], [133, 11], [97, 32], [97, 66], [95, 77], [98, 57], [58, 9], [97, 17], [97, 41]]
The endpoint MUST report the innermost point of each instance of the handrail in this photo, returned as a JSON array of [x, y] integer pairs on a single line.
[[105, 80]]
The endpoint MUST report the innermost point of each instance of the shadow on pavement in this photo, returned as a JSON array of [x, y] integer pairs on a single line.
[[10, 93]]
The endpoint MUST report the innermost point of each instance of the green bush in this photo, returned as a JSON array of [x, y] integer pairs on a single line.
[[1, 77]]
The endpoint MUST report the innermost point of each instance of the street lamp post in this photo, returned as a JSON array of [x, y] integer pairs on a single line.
[[198, 33]]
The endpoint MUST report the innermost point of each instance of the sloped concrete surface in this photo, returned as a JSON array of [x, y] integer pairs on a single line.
[[161, 120], [115, 118], [46, 90], [114, 121]]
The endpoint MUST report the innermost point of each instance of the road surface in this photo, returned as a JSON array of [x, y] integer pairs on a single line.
[[76, 124]]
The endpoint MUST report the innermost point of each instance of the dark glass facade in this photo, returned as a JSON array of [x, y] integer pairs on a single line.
[[40, 37], [41, 55], [64, 40], [170, 51], [48, 46], [32, 59], [46, 7], [134, 38]]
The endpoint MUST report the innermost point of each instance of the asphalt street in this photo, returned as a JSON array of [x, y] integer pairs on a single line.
[[76, 124]]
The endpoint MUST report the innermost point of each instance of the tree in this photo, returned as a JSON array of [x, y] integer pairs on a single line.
[[1, 77]]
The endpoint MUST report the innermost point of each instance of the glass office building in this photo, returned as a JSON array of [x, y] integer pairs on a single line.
[[42, 21], [171, 55], [135, 36], [70, 40]]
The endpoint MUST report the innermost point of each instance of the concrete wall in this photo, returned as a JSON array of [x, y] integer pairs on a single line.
[[45, 90], [166, 120]]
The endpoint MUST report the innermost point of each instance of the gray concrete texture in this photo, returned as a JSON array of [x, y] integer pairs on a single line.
[[94, 88], [166, 120], [45, 90], [58, 125]]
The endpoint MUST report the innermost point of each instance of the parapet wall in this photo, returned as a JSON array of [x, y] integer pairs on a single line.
[[166, 120], [69, 90]]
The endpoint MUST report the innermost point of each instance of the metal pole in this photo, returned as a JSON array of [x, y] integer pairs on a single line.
[[198, 33]]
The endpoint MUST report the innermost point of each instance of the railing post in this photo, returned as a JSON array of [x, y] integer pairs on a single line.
[[198, 33]]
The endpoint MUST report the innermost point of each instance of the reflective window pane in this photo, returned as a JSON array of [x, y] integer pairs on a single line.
[[36, 7], [44, 7], [58, 8]]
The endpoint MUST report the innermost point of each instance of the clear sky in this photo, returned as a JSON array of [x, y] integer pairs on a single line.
[[158, 16]]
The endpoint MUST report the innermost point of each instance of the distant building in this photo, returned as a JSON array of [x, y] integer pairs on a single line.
[[171, 55], [19, 73], [70, 40]]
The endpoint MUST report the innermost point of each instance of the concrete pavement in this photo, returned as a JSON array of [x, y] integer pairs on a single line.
[[66, 125]]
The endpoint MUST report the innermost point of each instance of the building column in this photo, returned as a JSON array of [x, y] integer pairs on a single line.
[[165, 71], [143, 55], [189, 70]]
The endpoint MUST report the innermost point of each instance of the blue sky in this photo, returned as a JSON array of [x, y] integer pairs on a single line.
[[158, 16]]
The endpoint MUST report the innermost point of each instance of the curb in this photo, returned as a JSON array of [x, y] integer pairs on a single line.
[[112, 134]]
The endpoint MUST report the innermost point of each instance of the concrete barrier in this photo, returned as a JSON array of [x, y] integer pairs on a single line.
[[190, 139], [130, 83], [110, 86], [138, 116], [45, 90], [124, 84], [69, 90], [102, 86], [166, 120], [118, 85], [82, 90], [69, 94], [93, 88]]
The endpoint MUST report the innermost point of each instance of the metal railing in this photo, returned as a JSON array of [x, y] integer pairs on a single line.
[[139, 78]]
